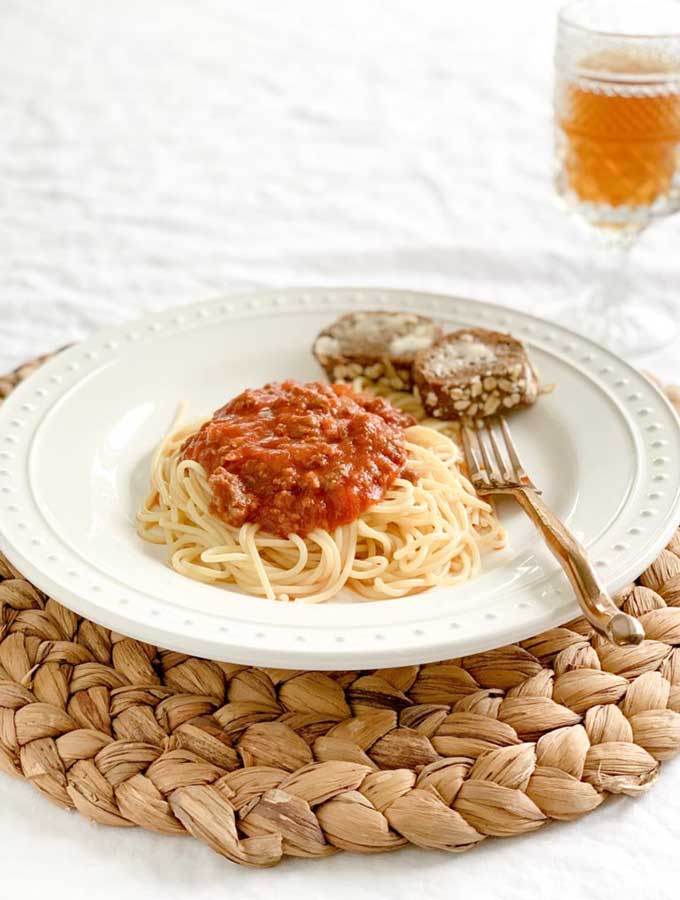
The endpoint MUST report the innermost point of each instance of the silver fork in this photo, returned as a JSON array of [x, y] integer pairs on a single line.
[[495, 468]]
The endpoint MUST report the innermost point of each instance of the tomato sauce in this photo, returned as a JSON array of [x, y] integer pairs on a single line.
[[294, 457]]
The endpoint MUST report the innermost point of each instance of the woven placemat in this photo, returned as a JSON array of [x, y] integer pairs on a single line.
[[263, 763]]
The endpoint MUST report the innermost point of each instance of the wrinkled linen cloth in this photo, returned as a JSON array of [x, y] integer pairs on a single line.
[[154, 153]]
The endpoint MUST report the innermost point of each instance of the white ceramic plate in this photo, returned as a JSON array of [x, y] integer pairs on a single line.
[[76, 439]]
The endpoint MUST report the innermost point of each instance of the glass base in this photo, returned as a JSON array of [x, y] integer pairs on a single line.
[[627, 329]]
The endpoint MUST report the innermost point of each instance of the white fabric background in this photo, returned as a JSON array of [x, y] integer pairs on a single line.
[[153, 153]]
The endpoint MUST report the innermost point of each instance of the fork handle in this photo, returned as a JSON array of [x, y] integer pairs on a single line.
[[598, 607]]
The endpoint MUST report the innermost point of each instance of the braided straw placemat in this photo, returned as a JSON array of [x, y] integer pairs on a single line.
[[262, 763]]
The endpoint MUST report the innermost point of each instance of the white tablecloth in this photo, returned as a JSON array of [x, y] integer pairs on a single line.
[[152, 153]]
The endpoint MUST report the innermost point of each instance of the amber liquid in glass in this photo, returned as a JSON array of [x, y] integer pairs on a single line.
[[620, 141]]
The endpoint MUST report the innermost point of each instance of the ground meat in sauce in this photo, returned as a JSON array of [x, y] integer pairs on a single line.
[[294, 457]]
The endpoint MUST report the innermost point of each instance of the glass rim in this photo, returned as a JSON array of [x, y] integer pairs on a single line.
[[563, 19]]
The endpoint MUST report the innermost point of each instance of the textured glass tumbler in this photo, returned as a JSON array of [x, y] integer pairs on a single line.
[[617, 152]]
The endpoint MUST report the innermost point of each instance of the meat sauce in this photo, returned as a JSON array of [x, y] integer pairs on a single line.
[[294, 457]]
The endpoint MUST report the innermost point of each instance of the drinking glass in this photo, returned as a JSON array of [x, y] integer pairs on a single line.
[[617, 151]]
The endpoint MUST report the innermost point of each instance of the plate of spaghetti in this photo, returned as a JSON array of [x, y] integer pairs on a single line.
[[277, 479]]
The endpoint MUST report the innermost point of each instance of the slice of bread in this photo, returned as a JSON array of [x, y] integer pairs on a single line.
[[474, 373], [377, 345]]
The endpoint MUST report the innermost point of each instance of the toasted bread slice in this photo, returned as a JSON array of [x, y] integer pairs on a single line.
[[474, 373], [377, 345]]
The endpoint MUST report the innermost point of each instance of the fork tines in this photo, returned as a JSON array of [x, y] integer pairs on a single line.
[[492, 458]]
